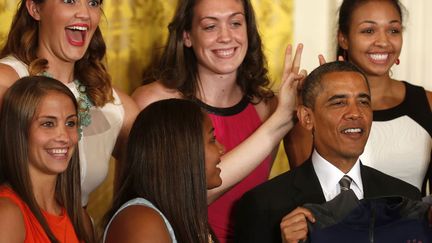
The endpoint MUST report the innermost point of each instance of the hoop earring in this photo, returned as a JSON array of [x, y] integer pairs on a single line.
[[397, 62]]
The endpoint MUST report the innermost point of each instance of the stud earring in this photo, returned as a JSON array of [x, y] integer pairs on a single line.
[[187, 43], [397, 62]]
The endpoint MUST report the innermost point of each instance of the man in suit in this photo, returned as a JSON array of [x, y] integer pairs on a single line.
[[336, 107]]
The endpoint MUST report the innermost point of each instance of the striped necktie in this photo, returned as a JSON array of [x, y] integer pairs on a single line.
[[345, 183]]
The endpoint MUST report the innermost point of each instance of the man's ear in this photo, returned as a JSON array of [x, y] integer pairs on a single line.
[[306, 117], [342, 41], [186, 39], [33, 9]]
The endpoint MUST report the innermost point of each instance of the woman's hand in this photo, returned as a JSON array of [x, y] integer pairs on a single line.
[[322, 60], [291, 82]]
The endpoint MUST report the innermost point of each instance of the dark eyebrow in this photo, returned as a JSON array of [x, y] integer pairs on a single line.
[[375, 23], [55, 118], [72, 116], [368, 22], [365, 95], [395, 21], [335, 97], [342, 96], [47, 117], [214, 18]]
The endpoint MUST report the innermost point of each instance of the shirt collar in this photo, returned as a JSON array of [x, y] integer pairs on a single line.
[[329, 176]]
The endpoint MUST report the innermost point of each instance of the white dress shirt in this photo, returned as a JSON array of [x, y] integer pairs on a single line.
[[329, 176]]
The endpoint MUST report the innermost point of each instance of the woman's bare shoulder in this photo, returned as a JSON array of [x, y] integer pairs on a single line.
[[155, 91], [138, 224], [8, 75], [12, 228], [265, 108]]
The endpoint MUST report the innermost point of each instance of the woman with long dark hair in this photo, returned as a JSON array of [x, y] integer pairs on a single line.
[[214, 56], [171, 162], [62, 39], [370, 35], [40, 189]]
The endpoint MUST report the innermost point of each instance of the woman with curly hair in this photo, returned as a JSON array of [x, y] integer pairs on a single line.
[[61, 39], [214, 57]]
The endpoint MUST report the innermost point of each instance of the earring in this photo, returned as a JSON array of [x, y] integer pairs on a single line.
[[397, 62], [345, 55], [187, 43]]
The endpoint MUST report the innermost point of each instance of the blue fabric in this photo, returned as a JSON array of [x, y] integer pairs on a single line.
[[387, 219]]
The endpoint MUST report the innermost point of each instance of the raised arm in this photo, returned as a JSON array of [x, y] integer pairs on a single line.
[[130, 112], [239, 162], [298, 142], [298, 145], [88, 225]]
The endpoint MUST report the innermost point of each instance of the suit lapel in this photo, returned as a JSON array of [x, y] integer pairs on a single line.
[[306, 185], [369, 189]]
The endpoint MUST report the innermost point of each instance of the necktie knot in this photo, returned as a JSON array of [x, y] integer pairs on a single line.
[[345, 183]]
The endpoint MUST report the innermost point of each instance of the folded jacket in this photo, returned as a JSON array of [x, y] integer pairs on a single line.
[[385, 219]]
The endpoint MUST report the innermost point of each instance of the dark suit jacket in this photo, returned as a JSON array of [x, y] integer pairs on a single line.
[[260, 211]]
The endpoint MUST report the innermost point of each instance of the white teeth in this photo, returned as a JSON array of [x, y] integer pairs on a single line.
[[225, 53], [59, 151], [352, 130], [80, 28], [379, 57]]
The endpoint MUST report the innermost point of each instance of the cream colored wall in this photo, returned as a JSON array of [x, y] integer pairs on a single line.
[[416, 57], [314, 25]]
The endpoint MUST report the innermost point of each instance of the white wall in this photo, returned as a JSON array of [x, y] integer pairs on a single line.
[[315, 27]]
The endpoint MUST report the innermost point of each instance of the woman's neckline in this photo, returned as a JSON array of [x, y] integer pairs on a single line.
[[225, 111]]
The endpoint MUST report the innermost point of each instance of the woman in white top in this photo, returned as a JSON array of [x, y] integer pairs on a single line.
[[400, 142], [172, 159], [61, 39]]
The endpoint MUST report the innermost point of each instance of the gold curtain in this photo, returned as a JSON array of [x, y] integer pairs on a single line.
[[7, 11], [275, 26], [136, 30]]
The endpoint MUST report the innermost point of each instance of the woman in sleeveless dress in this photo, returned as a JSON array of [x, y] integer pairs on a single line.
[[400, 142], [215, 58], [62, 39], [40, 191]]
